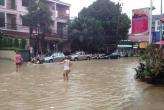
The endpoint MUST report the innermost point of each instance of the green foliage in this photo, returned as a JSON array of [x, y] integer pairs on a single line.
[[1, 41], [85, 34], [39, 18], [152, 59], [14, 49], [8, 42], [23, 43], [16, 43], [99, 24]]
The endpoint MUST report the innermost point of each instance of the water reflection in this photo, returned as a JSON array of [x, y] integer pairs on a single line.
[[93, 85]]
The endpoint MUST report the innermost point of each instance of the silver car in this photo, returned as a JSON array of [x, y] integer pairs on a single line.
[[55, 57], [80, 56]]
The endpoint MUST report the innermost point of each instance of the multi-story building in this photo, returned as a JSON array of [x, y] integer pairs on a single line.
[[13, 23], [156, 27], [156, 23]]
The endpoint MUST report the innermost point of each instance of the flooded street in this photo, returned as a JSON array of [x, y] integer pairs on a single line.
[[93, 85]]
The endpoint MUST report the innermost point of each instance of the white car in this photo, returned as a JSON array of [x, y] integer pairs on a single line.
[[80, 56], [55, 57]]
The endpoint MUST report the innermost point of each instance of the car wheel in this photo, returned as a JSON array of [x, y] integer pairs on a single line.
[[50, 61], [76, 59], [88, 58]]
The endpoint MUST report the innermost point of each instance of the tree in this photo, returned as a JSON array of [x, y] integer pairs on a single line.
[[105, 23], [39, 19], [85, 34]]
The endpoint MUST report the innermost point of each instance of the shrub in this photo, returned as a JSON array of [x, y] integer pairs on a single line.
[[153, 63], [23, 43], [16, 43]]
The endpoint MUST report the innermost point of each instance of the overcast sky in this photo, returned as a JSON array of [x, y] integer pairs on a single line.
[[128, 5]]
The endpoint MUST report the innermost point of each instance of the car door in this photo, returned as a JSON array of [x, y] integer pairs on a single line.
[[84, 57], [81, 57], [54, 56], [60, 57]]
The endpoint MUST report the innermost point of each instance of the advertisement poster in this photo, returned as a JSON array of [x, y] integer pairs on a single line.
[[140, 21]]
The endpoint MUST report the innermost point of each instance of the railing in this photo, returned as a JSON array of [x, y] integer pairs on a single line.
[[12, 26], [14, 7], [63, 17]]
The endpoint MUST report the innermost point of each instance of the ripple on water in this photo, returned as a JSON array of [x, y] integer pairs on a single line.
[[93, 85]]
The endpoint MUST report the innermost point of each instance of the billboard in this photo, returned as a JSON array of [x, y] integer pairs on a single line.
[[140, 21]]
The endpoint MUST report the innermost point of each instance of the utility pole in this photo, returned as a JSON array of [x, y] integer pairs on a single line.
[[150, 22], [161, 25]]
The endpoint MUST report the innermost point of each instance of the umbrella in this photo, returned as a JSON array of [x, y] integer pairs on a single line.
[[162, 20], [160, 42]]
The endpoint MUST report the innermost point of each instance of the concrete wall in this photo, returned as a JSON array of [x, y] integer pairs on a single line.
[[7, 54]]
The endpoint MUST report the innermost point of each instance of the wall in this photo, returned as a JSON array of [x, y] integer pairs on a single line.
[[7, 54]]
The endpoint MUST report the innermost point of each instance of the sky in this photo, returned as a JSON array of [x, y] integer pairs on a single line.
[[128, 5]]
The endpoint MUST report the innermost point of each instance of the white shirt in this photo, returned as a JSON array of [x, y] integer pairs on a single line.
[[66, 65]]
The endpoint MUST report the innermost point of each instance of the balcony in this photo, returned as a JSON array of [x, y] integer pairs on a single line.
[[11, 4], [11, 22], [11, 26], [62, 30], [62, 13]]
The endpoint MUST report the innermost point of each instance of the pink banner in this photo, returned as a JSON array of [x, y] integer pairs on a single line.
[[139, 25], [140, 21]]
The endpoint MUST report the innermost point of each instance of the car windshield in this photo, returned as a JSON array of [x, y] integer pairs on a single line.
[[115, 53]]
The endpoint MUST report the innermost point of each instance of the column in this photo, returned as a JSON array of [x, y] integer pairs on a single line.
[[5, 20]]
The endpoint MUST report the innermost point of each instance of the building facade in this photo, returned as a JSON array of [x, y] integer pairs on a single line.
[[156, 27], [13, 23], [156, 23]]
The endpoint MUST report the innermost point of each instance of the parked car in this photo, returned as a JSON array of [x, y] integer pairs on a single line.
[[80, 56], [114, 55], [97, 56], [105, 56], [37, 59], [55, 57]]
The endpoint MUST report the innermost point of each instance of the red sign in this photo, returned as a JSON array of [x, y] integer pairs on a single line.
[[139, 25], [140, 21]]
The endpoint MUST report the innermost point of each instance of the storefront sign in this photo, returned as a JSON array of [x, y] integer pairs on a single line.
[[143, 45]]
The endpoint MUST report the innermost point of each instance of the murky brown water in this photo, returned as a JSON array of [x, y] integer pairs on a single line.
[[93, 85]]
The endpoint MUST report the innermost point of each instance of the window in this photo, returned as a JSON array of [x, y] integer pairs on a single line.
[[24, 21], [2, 2], [25, 3], [53, 7], [153, 24], [158, 28], [2, 19]]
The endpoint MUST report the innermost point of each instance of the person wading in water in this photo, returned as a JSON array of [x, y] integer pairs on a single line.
[[67, 63], [18, 61]]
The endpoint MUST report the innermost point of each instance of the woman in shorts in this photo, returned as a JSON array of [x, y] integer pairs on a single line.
[[67, 70], [18, 61]]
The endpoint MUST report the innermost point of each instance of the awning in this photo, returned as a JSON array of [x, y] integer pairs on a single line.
[[162, 20], [160, 43], [139, 37], [125, 46]]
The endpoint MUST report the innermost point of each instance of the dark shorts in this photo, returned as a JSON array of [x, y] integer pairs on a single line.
[[19, 63]]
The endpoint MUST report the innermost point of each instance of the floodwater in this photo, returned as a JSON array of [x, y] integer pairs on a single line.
[[93, 85]]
